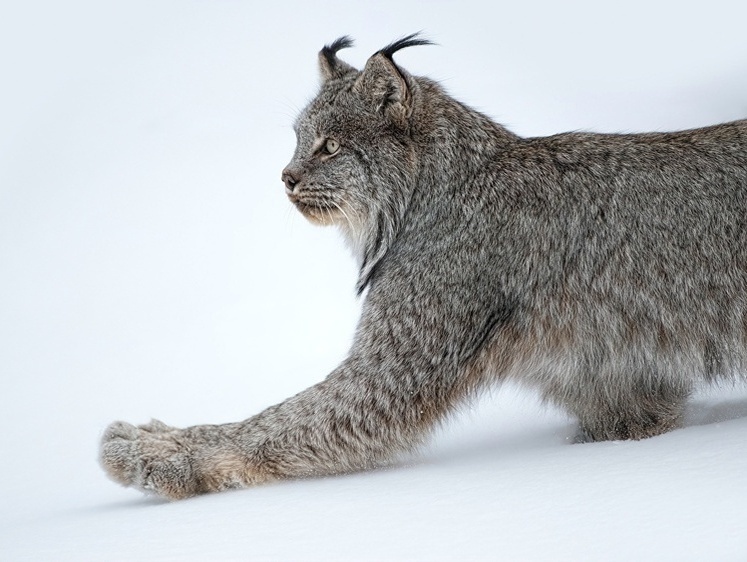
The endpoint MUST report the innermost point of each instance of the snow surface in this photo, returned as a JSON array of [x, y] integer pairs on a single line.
[[150, 266]]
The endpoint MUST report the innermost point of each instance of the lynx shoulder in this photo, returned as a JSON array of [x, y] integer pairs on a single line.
[[609, 272]]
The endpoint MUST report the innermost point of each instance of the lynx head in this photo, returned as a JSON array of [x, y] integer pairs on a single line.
[[355, 161]]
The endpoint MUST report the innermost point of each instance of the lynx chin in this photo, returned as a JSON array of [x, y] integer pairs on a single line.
[[609, 272]]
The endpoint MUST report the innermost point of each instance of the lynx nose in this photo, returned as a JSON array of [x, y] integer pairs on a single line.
[[290, 179]]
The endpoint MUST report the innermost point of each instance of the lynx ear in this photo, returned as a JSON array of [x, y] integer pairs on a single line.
[[329, 65], [385, 85]]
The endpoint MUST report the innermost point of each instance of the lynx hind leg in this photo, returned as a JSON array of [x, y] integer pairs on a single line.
[[170, 462], [644, 411], [619, 426]]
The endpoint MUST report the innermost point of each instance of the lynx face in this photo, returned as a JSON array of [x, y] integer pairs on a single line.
[[329, 178], [354, 160]]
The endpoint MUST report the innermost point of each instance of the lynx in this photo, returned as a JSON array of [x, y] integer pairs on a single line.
[[608, 272]]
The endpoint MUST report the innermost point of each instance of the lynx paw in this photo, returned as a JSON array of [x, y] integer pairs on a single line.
[[151, 457], [625, 429]]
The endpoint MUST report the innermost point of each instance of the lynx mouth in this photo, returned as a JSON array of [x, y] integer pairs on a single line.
[[316, 212]]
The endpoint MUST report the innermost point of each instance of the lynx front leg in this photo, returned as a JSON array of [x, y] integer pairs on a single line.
[[412, 361], [359, 417]]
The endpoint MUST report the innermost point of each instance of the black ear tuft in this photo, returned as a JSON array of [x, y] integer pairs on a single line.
[[329, 52], [330, 66], [411, 40]]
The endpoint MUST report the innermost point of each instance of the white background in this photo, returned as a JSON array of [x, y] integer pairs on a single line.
[[150, 266]]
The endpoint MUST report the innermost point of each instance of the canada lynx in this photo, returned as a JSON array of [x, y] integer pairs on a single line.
[[607, 271]]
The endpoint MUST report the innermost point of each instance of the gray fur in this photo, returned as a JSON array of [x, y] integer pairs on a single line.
[[607, 271]]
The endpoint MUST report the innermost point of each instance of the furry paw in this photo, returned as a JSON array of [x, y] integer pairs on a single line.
[[151, 457]]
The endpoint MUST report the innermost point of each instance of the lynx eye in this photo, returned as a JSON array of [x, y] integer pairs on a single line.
[[331, 146]]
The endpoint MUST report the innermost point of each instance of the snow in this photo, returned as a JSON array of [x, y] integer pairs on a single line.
[[150, 266]]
